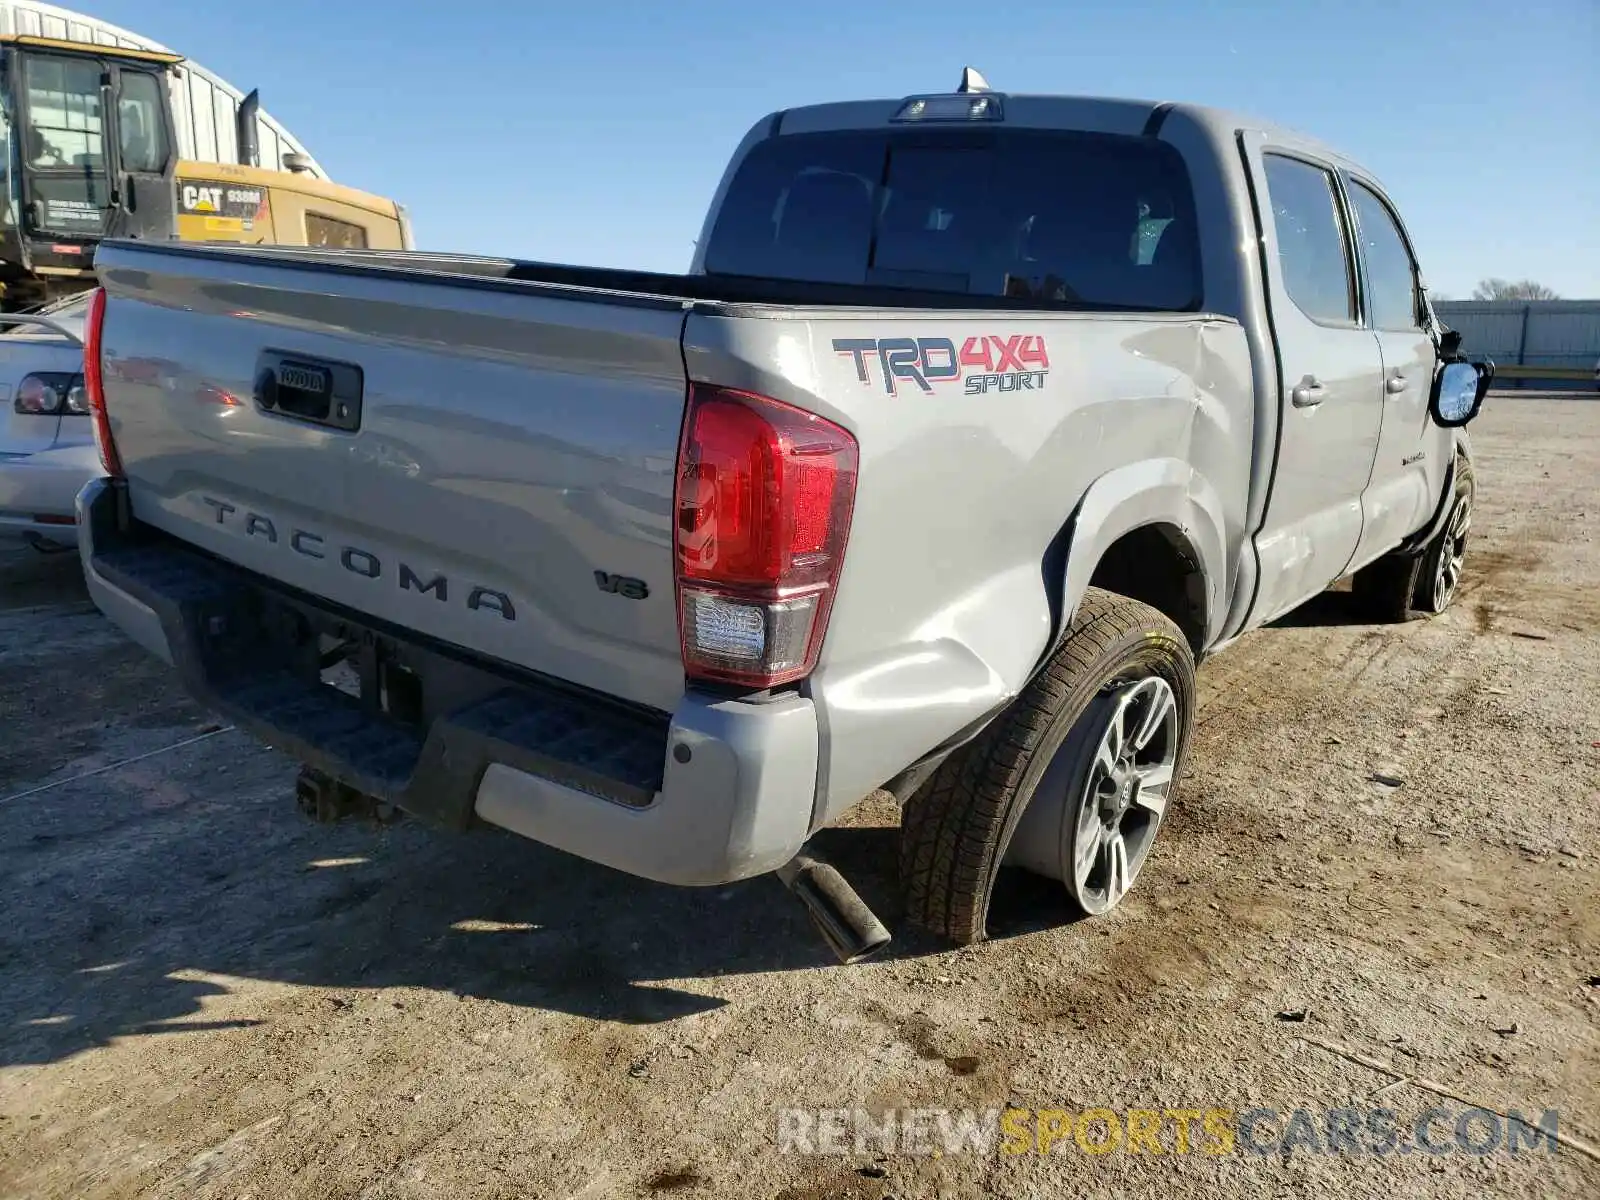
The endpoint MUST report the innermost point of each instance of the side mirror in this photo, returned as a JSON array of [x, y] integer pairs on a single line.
[[1458, 391]]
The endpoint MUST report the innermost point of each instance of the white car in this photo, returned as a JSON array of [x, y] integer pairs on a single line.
[[47, 450]]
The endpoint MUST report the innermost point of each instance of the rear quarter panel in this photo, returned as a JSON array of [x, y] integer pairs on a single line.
[[944, 607]]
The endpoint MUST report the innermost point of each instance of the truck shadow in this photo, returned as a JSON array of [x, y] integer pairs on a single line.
[[1324, 610], [140, 914], [29, 579], [152, 898]]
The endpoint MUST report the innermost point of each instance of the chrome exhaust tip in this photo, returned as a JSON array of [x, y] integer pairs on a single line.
[[851, 929]]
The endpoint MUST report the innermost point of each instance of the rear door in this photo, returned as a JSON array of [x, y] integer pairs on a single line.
[[1331, 377], [1408, 471]]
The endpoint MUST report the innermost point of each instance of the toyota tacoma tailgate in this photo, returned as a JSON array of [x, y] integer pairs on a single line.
[[488, 469]]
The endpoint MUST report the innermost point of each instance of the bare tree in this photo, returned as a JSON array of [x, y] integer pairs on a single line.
[[1503, 289]]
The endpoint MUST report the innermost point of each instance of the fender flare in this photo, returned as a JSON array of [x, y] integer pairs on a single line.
[[1159, 492]]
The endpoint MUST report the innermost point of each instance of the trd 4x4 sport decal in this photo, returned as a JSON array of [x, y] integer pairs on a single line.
[[989, 363]]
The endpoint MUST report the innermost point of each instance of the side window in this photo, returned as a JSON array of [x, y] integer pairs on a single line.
[[139, 125], [1390, 272], [205, 122], [1311, 244], [64, 114]]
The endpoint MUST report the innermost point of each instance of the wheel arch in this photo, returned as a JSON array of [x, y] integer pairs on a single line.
[[1151, 531]]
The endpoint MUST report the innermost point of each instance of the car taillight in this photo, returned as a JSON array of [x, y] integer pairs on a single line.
[[77, 398], [37, 396], [762, 511], [51, 394], [94, 381]]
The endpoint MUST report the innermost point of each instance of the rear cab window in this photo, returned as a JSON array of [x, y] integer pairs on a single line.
[[1076, 219]]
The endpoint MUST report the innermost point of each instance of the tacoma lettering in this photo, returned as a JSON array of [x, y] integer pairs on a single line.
[[410, 580], [365, 564]]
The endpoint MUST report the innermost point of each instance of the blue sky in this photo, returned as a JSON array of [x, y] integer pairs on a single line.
[[594, 131]]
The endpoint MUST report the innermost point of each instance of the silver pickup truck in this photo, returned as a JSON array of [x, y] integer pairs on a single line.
[[978, 420]]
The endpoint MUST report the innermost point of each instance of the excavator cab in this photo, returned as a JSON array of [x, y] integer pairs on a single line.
[[88, 150]]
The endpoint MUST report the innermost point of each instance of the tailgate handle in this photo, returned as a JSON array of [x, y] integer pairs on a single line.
[[313, 390]]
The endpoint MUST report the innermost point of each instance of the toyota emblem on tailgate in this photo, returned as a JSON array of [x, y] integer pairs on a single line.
[[304, 379]]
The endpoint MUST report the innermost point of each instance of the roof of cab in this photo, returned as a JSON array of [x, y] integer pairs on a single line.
[[1106, 114]]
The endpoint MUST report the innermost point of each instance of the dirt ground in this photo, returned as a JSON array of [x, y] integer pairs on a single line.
[[204, 995]]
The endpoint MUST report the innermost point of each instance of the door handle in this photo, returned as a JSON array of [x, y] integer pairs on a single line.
[[1307, 393], [1395, 384]]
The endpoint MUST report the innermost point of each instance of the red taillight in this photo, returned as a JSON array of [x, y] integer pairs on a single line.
[[94, 382], [762, 512], [37, 397]]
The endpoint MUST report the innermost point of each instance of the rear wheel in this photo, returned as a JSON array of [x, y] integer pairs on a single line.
[[1093, 818], [1072, 781]]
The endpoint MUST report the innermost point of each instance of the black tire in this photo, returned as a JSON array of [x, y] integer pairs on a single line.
[[1410, 587], [1382, 590], [955, 829]]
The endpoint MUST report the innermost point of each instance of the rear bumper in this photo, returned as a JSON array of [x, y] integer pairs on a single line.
[[715, 791], [38, 491]]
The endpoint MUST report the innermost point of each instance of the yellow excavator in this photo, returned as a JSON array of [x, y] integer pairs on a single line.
[[220, 202], [88, 147]]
